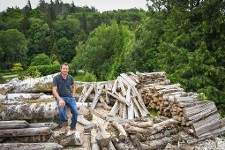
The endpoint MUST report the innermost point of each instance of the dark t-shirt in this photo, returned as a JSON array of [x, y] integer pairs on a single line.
[[63, 85]]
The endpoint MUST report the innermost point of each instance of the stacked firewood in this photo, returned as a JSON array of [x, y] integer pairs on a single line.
[[198, 117]]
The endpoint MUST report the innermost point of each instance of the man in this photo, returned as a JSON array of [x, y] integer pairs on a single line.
[[64, 91]]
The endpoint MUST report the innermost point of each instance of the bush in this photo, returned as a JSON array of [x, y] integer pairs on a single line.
[[90, 77], [43, 69]]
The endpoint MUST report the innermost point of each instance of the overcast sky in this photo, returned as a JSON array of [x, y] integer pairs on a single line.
[[100, 5]]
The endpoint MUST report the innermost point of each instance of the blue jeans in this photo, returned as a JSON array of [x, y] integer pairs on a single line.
[[71, 103]]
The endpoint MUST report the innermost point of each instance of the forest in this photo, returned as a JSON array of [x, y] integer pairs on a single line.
[[186, 39]]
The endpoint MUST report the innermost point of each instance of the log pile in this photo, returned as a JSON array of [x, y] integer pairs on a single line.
[[127, 100], [198, 117]]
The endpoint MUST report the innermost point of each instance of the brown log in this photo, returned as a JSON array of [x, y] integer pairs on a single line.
[[31, 146], [25, 132], [14, 124]]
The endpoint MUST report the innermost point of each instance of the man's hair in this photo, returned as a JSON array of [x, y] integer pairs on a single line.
[[65, 64]]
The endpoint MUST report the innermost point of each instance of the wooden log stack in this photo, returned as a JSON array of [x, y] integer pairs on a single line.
[[199, 118]]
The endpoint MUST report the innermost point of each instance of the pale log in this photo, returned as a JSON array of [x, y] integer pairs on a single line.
[[35, 85], [114, 109], [95, 100], [104, 104], [142, 124], [98, 114], [51, 125], [85, 96], [82, 120], [13, 124], [111, 146], [74, 139], [25, 132], [103, 137], [155, 144], [121, 99], [123, 90], [122, 132], [30, 146], [9, 86], [94, 144]]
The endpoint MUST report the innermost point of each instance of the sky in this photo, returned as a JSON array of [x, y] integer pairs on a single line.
[[100, 5]]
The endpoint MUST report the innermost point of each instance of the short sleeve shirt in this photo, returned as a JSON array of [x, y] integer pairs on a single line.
[[63, 85]]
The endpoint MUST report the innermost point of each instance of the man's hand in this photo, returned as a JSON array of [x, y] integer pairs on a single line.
[[61, 103]]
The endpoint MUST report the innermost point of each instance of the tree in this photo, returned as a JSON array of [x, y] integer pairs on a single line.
[[40, 59], [66, 49], [191, 48], [14, 48]]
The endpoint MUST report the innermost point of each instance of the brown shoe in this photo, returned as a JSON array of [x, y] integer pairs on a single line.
[[73, 128], [63, 128]]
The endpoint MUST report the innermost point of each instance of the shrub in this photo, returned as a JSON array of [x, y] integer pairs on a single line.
[[43, 69], [90, 77]]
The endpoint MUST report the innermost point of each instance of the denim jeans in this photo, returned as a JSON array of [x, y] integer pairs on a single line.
[[71, 103]]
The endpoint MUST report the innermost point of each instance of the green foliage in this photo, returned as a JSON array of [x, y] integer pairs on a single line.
[[17, 67], [105, 45], [40, 59], [153, 112], [13, 48], [90, 77], [43, 69]]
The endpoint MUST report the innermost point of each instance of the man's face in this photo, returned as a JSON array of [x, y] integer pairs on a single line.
[[65, 69]]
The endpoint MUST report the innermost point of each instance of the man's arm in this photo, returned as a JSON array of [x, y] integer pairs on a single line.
[[55, 93]]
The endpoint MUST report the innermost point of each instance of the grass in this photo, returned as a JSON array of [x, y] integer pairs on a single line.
[[153, 112]]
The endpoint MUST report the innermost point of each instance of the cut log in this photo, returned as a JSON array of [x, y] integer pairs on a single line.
[[28, 96], [35, 85], [155, 144], [85, 96], [95, 100], [76, 138], [120, 98], [9, 86], [14, 124], [103, 137], [86, 113], [94, 144], [122, 133], [32, 111], [82, 120], [111, 146], [142, 124], [31, 146], [114, 109], [97, 114], [25, 132], [104, 104], [51, 125]]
